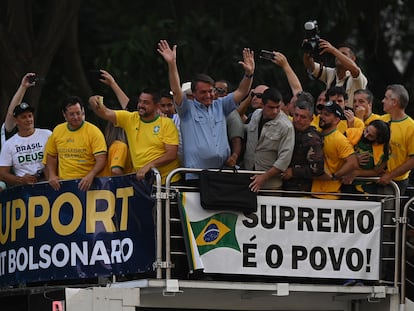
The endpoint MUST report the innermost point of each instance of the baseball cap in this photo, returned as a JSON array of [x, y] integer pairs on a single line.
[[23, 107], [332, 107]]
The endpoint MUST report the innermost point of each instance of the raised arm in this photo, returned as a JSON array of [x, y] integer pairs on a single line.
[[97, 105], [9, 123], [246, 83], [309, 62], [170, 57], [108, 79], [242, 108], [293, 80], [347, 63]]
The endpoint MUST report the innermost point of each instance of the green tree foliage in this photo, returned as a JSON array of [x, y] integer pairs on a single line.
[[64, 40]]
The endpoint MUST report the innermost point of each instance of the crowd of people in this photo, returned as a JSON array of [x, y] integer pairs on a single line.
[[298, 145]]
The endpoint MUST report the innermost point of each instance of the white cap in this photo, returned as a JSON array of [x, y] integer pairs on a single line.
[[186, 88]]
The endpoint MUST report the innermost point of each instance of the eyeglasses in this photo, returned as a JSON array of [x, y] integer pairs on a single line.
[[258, 95]]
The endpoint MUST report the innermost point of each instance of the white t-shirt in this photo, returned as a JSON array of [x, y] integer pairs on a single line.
[[25, 154]]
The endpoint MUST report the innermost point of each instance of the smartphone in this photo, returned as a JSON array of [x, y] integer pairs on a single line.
[[267, 55], [95, 74]]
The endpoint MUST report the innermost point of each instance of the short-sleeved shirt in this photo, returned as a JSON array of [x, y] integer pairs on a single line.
[[328, 76], [25, 154], [336, 148], [118, 157], [76, 149], [147, 140], [204, 132], [402, 144], [273, 148]]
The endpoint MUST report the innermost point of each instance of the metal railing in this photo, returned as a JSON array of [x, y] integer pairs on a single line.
[[392, 197], [158, 198], [408, 207]]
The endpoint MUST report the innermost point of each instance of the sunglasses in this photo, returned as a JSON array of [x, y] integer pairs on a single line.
[[258, 95]]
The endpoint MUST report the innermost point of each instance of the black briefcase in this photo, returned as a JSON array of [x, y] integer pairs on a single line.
[[221, 190]]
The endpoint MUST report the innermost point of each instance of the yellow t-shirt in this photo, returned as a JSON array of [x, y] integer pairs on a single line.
[[385, 117], [343, 125], [147, 140], [118, 156], [315, 122], [371, 118], [76, 149], [402, 144], [336, 148]]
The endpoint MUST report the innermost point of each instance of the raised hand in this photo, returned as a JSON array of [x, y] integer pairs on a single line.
[[248, 61], [166, 52], [106, 77]]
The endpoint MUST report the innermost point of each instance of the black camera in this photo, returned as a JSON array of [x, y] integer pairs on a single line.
[[32, 79], [35, 79], [311, 42], [40, 175]]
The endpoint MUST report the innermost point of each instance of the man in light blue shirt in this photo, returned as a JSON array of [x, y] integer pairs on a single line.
[[203, 120]]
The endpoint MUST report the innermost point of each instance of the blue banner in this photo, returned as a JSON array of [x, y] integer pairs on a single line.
[[71, 234]]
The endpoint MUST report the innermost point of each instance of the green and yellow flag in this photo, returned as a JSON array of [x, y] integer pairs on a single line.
[[215, 231]]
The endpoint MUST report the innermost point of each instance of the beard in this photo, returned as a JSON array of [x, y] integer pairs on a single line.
[[324, 125]]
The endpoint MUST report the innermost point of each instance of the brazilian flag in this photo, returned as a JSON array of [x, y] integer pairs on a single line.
[[216, 231]]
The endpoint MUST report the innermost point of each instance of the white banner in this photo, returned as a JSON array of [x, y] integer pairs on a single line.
[[298, 237]]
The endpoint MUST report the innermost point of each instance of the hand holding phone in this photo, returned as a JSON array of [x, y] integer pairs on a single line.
[[95, 74], [267, 55]]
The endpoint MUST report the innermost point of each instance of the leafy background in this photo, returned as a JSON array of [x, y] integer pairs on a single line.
[[64, 40]]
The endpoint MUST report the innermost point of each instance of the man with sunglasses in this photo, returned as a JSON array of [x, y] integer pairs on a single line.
[[221, 88], [254, 101]]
